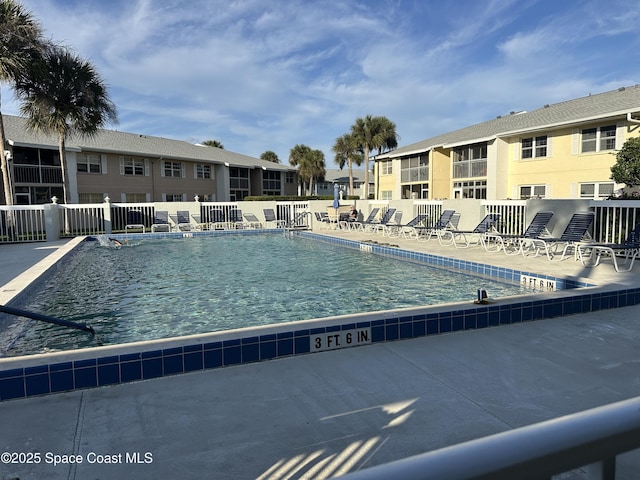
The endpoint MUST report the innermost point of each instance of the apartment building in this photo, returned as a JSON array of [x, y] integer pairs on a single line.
[[130, 167], [562, 150]]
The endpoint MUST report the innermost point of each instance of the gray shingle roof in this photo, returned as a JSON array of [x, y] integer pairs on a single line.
[[609, 104], [112, 141]]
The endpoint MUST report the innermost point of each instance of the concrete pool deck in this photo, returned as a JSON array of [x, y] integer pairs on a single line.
[[320, 415]]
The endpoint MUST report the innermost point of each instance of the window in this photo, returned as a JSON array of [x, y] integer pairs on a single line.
[[414, 169], [386, 167], [132, 166], [534, 147], [386, 195], [477, 189], [271, 182], [238, 183], [172, 169], [174, 197], [596, 190], [203, 171], [599, 139], [470, 161], [532, 191], [90, 197], [290, 177], [135, 197], [89, 163]]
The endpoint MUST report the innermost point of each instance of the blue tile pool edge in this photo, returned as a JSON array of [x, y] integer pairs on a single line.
[[23, 377]]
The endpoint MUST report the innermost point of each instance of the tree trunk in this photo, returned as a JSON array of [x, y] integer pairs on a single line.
[[350, 176], [6, 173], [63, 168], [366, 173]]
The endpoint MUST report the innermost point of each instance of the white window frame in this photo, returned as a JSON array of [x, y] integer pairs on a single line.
[[599, 140], [386, 167], [596, 195], [133, 166], [172, 169], [538, 148], [203, 171], [533, 193], [89, 163]]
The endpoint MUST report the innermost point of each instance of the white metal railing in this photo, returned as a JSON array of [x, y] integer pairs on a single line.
[[431, 208], [591, 439], [614, 219], [470, 168], [22, 223], [513, 215], [26, 223], [290, 212], [78, 219]]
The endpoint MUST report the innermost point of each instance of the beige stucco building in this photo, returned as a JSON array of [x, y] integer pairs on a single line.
[[563, 150], [129, 167]]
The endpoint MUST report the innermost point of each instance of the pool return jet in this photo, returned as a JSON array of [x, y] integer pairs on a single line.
[[45, 318]]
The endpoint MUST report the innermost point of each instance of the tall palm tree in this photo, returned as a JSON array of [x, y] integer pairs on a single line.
[[310, 165], [69, 99], [373, 133], [347, 154], [20, 41]]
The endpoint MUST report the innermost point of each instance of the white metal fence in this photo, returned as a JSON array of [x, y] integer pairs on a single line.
[[613, 219], [24, 223]]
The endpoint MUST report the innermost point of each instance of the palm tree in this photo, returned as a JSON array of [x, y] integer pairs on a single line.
[[213, 143], [270, 156], [347, 154], [373, 133], [310, 164], [71, 98], [20, 41]]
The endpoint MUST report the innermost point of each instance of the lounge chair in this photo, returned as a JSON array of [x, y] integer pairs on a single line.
[[590, 254], [393, 226], [161, 221], [270, 216], [576, 231], [512, 244], [375, 225], [181, 222], [134, 220], [218, 219], [408, 230], [251, 221], [235, 219], [448, 219], [368, 221], [464, 238], [323, 218], [198, 223]]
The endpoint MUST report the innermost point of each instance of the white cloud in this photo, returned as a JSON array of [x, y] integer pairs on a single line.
[[257, 76]]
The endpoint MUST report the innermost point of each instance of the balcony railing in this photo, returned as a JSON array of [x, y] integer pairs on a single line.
[[414, 174], [470, 169], [37, 174]]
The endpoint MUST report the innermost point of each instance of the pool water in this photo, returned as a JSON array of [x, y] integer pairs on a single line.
[[161, 288]]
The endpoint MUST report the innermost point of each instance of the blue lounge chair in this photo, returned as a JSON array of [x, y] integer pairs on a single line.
[[576, 231], [181, 222], [464, 238], [161, 221], [591, 253], [512, 244], [448, 219], [134, 220], [408, 230], [368, 221], [386, 218], [270, 217]]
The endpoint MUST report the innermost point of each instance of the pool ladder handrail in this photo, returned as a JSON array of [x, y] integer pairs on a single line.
[[45, 318]]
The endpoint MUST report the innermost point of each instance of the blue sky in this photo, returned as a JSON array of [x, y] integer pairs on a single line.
[[263, 75]]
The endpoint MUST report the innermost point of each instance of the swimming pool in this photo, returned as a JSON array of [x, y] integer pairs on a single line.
[[170, 287]]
